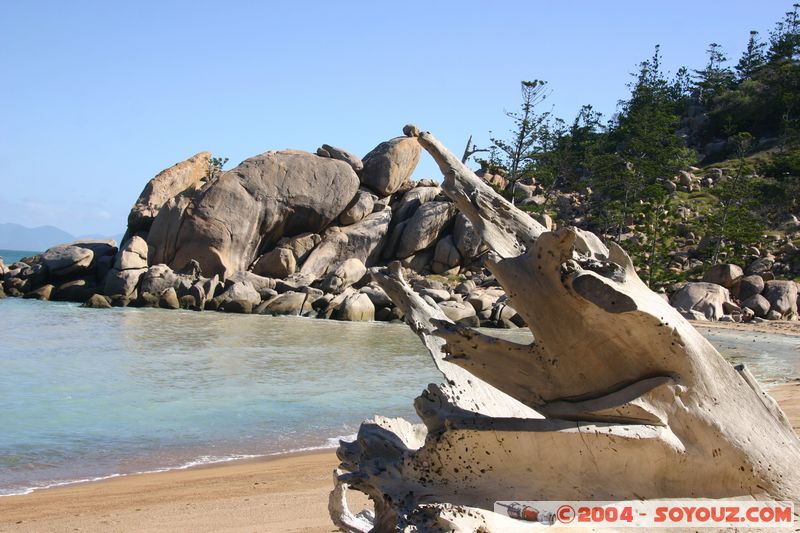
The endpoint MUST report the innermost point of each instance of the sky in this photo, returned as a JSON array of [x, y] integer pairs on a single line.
[[98, 97]]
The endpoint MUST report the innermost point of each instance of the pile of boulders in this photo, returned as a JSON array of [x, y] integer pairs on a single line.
[[688, 181], [75, 272], [67, 272], [294, 233], [283, 233], [730, 293]]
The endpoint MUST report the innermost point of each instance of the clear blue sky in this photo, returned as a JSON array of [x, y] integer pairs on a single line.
[[97, 97]]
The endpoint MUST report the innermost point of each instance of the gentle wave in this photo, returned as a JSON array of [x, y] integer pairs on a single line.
[[204, 460]]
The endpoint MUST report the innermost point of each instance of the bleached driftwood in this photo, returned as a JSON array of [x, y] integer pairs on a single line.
[[618, 397]]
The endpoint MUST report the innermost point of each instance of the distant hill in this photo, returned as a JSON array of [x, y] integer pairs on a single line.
[[17, 237], [97, 236]]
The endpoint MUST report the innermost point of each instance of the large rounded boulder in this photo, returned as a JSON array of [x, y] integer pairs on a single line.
[[749, 286], [390, 164], [701, 299], [422, 230], [782, 297], [76, 258], [65, 259], [249, 208], [723, 274]]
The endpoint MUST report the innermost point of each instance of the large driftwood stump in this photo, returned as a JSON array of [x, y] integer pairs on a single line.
[[618, 397]]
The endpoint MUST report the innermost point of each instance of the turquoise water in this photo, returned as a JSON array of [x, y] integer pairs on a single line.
[[12, 256], [88, 393], [771, 358]]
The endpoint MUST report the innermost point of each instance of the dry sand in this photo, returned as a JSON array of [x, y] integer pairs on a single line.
[[780, 327], [788, 396]]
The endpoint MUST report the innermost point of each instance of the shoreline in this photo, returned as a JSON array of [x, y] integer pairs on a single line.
[[286, 492], [776, 327], [189, 465]]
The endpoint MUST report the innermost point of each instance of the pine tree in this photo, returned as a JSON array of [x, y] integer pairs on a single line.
[[643, 149], [752, 59], [715, 77], [681, 88], [733, 223], [552, 159], [580, 145], [784, 40], [518, 153]]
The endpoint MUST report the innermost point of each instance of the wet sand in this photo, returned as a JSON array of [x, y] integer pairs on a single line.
[[285, 493]]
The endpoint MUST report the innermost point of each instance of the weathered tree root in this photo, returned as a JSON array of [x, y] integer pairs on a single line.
[[618, 397]]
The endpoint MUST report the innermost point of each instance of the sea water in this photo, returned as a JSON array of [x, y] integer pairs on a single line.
[[93, 393], [86, 393], [10, 257]]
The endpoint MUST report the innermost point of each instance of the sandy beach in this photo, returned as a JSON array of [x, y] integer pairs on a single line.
[[780, 327], [282, 494]]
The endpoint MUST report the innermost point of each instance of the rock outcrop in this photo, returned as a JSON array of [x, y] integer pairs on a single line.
[[164, 186], [286, 222], [249, 208], [362, 240]]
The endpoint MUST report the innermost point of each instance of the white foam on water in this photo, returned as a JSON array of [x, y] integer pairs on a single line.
[[203, 460]]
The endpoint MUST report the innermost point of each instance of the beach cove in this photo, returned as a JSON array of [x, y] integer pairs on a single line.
[[280, 494], [91, 394], [230, 414]]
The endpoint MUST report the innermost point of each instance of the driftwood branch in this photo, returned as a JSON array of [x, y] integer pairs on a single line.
[[618, 398], [470, 150]]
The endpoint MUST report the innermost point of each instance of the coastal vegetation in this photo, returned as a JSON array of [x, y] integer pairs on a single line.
[[693, 169]]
